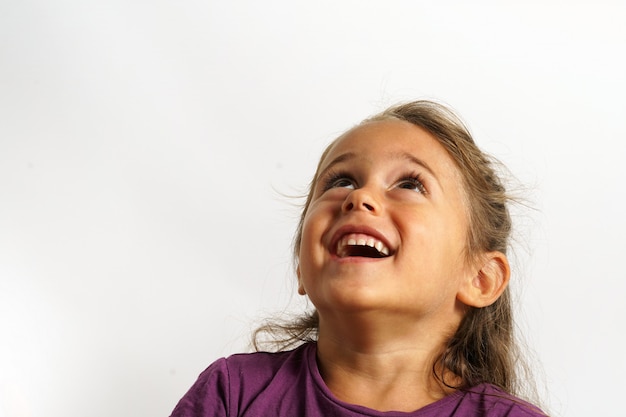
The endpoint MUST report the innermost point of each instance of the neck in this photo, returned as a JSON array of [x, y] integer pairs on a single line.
[[381, 363]]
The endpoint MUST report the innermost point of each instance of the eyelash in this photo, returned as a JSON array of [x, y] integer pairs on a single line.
[[333, 178], [416, 181]]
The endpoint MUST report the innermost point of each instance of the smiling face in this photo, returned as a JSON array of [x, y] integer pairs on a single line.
[[386, 226]]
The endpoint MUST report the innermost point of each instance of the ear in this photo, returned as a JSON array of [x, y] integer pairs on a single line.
[[488, 283], [301, 289]]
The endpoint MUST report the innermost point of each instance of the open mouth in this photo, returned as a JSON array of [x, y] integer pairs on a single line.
[[361, 245]]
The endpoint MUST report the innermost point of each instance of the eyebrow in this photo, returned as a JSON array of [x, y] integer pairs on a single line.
[[341, 158], [394, 155], [412, 158]]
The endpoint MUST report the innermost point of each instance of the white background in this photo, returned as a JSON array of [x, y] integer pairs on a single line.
[[146, 148]]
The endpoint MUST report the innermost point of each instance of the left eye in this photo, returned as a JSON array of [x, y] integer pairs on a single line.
[[412, 183]]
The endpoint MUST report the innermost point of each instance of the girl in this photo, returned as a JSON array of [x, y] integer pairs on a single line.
[[401, 248]]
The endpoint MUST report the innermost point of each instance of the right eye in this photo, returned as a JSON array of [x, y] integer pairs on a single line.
[[339, 181]]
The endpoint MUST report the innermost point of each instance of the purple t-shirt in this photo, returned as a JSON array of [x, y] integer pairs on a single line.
[[288, 384]]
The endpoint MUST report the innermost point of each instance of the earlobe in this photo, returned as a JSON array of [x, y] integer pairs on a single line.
[[489, 282]]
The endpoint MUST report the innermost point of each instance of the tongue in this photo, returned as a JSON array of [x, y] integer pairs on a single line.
[[363, 251]]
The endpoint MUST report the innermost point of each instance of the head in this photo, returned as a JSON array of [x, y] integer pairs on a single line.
[[480, 349], [489, 219]]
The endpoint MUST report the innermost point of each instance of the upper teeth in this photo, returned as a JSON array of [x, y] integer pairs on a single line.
[[358, 239]]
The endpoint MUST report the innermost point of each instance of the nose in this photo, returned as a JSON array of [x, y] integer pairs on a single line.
[[361, 199]]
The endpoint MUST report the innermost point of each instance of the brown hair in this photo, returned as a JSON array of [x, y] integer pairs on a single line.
[[483, 349]]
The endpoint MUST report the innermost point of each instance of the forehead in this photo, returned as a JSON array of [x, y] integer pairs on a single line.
[[392, 139]]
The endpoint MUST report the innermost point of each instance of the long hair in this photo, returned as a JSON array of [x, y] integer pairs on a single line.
[[483, 349]]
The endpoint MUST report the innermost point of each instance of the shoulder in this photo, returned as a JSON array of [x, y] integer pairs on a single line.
[[253, 371], [269, 361], [209, 396], [230, 385], [490, 401]]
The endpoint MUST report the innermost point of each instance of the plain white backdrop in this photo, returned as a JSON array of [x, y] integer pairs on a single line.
[[146, 148]]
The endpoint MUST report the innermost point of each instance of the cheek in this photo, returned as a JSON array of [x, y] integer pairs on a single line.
[[307, 226], [313, 251], [308, 258], [310, 236], [438, 237], [315, 221]]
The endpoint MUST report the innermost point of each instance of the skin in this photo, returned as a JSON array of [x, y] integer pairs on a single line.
[[384, 320]]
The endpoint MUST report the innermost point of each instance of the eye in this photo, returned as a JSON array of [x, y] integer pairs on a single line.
[[339, 180], [412, 182]]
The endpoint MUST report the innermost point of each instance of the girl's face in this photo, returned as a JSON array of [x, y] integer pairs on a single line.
[[386, 227]]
